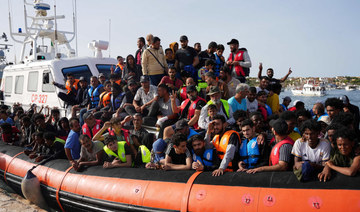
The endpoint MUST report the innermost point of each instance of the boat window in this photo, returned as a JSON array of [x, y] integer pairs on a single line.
[[47, 85], [19, 84], [78, 71], [33, 81], [105, 69], [8, 84]]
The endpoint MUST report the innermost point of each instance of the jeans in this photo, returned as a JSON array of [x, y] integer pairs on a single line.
[[155, 79]]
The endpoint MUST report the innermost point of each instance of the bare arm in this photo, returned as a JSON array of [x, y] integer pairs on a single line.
[[196, 61], [98, 160], [195, 118], [286, 76], [349, 171], [174, 107], [118, 163], [99, 135], [260, 70], [281, 166], [170, 166]]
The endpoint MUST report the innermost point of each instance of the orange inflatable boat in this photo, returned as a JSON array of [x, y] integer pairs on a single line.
[[135, 189]]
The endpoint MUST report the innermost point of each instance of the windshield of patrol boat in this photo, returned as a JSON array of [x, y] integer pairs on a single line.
[[78, 71], [105, 69]]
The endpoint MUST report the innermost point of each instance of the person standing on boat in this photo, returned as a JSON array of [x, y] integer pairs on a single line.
[[71, 85], [141, 48], [280, 156], [219, 58], [264, 83], [153, 62], [273, 98], [131, 69], [225, 142], [348, 107], [186, 58], [72, 145], [239, 61], [270, 75], [207, 54]]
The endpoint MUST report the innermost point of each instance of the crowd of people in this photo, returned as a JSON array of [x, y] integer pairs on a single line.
[[207, 118]]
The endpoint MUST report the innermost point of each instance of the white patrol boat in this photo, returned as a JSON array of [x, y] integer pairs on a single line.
[[310, 89], [31, 80]]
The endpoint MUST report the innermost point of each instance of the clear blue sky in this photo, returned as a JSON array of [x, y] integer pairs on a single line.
[[314, 38]]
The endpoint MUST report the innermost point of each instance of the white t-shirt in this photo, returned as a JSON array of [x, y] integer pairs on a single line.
[[321, 152], [251, 106]]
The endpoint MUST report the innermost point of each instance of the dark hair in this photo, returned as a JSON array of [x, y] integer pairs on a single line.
[[3, 112], [280, 126], [252, 90], [114, 76], [334, 102], [39, 116], [168, 50], [196, 137], [127, 60], [220, 117], [226, 69], [119, 57], [107, 82], [212, 44], [115, 120], [212, 107], [178, 138], [247, 122], [303, 112], [344, 119], [299, 104], [311, 125], [6, 127], [264, 77], [196, 44], [345, 133], [155, 39], [209, 62], [172, 68], [83, 136], [210, 74], [320, 107], [55, 110], [335, 126], [109, 138], [288, 115], [256, 113], [71, 121], [240, 114], [261, 93], [63, 119], [39, 134], [142, 39], [69, 74], [164, 87], [26, 118], [276, 88], [49, 136], [220, 47], [270, 69]]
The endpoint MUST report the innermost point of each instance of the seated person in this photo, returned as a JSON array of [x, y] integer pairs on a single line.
[[251, 102], [72, 144], [145, 96], [41, 125], [239, 117], [10, 134], [212, 111], [210, 79], [91, 125], [204, 159], [344, 159], [171, 81], [72, 85], [177, 157], [39, 143], [4, 118], [105, 97], [280, 157], [64, 128], [53, 147], [330, 132], [27, 129], [91, 154], [119, 153], [310, 152], [290, 118], [263, 108], [249, 150], [157, 155]]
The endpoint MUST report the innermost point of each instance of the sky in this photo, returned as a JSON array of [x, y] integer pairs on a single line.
[[315, 38]]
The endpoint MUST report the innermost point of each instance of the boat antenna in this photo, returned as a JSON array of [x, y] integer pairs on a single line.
[[109, 37], [56, 36], [75, 20]]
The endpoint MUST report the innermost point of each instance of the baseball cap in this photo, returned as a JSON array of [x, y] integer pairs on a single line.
[[213, 90], [131, 82], [183, 38], [82, 79], [233, 41], [287, 98], [325, 119], [144, 78], [190, 88], [87, 115], [181, 124]]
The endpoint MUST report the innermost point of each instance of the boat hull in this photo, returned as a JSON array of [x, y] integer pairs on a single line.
[[302, 93], [131, 189]]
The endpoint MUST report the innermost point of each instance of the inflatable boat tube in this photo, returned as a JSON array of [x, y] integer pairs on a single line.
[[135, 189]]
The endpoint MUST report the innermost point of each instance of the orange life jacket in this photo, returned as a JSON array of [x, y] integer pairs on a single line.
[[68, 85], [105, 98], [221, 145]]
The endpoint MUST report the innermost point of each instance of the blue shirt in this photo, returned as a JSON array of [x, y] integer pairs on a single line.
[[73, 143], [8, 120], [235, 105]]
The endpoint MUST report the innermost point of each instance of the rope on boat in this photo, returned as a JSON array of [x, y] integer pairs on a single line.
[[188, 186], [59, 187], [8, 165]]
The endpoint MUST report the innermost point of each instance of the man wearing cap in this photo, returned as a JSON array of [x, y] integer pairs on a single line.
[[238, 61], [285, 104], [145, 96], [102, 78], [210, 79], [238, 102], [352, 109], [91, 125], [181, 126], [153, 62], [280, 156], [207, 54], [191, 107], [127, 101], [222, 105], [186, 57]]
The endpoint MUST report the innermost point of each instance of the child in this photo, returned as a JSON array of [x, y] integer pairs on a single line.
[[39, 145], [10, 134], [310, 152], [251, 102], [53, 147], [157, 155], [169, 55], [249, 150], [171, 81], [212, 111], [344, 159], [177, 157], [119, 153], [265, 110]]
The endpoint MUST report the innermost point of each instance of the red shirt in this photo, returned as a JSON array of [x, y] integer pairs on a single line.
[[166, 80], [11, 137]]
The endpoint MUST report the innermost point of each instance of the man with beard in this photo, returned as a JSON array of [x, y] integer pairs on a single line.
[[190, 108], [129, 98], [186, 58], [231, 82], [222, 105], [270, 75], [207, 54], [238, 61], [204, 159], [141, 48], [225, 142], [210, 79], [264, 83], [145, 96]]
